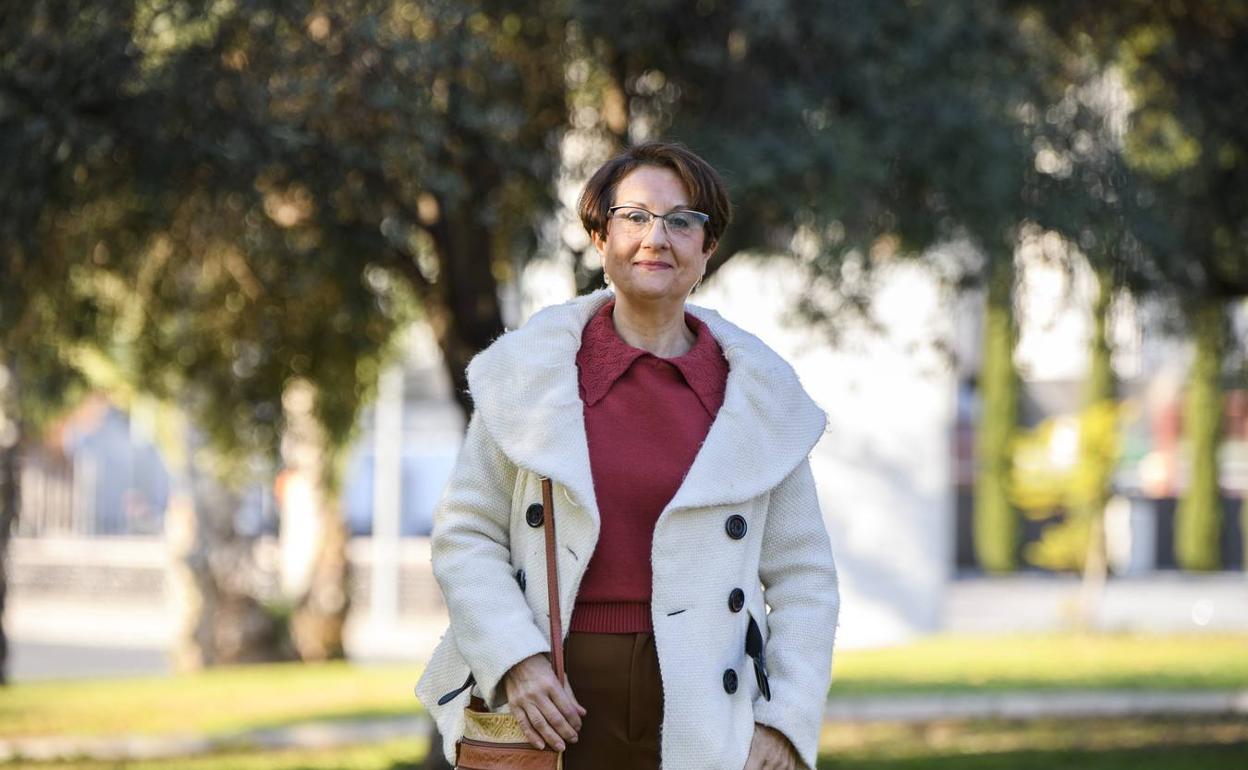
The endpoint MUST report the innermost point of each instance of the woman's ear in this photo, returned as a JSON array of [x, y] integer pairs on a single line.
[[600, 241]]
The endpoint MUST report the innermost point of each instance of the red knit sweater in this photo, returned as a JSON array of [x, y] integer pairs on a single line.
[[645, 419]]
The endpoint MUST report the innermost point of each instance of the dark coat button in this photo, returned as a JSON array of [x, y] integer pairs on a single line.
[[534, 515], [736, 600], [730, 681], [521, 580], [735, 526]]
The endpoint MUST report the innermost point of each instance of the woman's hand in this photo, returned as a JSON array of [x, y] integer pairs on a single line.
[[546, 709], [770, 750]]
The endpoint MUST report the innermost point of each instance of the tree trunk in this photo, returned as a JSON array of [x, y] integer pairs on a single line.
[[10, 490], [995, 522], [1243, 531], [1100, 384], [463, 306], [1097, 452], [466, 317], [1199, 516], [315, 572], [214, 578]]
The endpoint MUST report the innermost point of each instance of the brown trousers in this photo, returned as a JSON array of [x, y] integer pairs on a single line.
[[616, 678]]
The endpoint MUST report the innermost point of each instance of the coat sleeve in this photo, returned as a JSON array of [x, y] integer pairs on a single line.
[[494, 626], [800, 586]]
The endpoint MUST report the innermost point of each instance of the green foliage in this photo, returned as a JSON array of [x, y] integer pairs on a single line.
[[850, 133], [64, 206], [1198, 520], [1064, 465], [242, 193], [1050, 479], [1185, 146], [1064, 460]]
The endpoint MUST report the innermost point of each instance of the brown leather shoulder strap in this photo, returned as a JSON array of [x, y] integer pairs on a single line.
[[552, 581]]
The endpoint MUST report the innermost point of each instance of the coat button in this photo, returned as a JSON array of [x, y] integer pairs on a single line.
[[735, 526], [534, 515], [730, 681], [736, 600]]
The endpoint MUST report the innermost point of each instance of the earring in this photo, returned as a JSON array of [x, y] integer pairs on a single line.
[[606, 279]]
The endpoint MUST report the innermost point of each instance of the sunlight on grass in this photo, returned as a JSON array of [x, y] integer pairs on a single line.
[[1127, 744], [213, 701], [1046, 661], [240, 698]]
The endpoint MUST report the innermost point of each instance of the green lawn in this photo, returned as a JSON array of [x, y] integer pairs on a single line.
[[214, 701], [394, 755], [1135, 744], [230, 699], [1046, 661], [1048, 744]]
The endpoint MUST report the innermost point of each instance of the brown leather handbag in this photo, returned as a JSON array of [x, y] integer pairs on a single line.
[[494, 741]]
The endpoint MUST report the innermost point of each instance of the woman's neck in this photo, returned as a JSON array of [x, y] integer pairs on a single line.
[[659, 329]]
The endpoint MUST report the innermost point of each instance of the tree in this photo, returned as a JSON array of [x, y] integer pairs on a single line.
[[64, 218], [1186, 151], [854, 134], [284, 173]]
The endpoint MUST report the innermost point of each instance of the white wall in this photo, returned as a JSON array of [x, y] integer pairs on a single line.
[[884, 468]]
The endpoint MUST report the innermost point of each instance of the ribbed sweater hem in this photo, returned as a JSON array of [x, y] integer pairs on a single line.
[[611, 617]]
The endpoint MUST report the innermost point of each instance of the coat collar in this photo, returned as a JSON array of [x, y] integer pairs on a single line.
[[525, 387], [604, 357]]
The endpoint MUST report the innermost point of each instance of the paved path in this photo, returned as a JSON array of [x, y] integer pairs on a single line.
[[859, 708]]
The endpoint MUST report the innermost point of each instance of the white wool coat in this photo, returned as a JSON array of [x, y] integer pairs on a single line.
[[529, 423]]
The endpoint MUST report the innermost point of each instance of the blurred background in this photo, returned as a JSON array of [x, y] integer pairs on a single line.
[[247, 248]]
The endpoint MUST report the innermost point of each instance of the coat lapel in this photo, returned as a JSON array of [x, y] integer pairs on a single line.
[[766, 426], [525, 387]]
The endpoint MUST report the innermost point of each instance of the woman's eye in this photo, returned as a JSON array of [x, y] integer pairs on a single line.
[[637, 217], [680, 222]]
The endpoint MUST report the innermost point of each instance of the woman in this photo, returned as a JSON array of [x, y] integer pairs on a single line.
[[678, 447]]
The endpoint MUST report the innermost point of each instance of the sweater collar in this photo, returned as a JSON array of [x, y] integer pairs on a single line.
[[604, 357], [525, 388]]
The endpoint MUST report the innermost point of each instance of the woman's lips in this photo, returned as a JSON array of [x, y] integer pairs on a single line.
[[653, 265]]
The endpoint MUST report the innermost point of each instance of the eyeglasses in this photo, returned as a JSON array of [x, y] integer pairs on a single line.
[[635, 221]]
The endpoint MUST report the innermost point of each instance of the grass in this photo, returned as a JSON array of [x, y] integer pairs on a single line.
[[1126, 744], [231, 699], [215, 701], [1046, 662], [1206, 743], [392, 755]]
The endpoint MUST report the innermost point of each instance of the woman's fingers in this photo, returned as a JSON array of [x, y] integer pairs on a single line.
[[770, 750], [522, 719], [537, 717], [767, 753], [569, 709], [572, 696], [556, 719], [544, 707]]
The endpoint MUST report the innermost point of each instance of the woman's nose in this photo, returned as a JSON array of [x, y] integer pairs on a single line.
[[656, 237]]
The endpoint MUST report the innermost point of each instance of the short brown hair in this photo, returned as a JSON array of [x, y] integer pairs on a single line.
[[706, 188]]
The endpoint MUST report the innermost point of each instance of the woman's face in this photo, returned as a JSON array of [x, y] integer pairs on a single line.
[[657, 265]]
